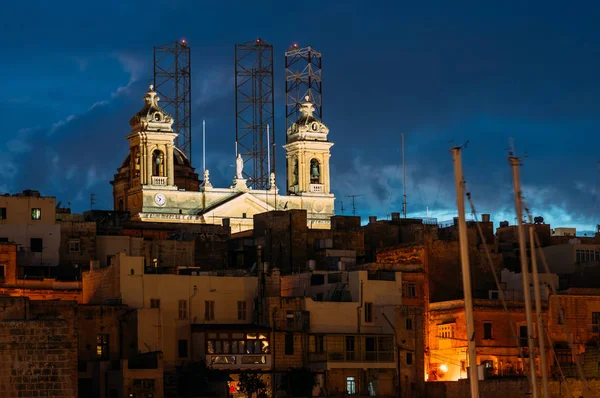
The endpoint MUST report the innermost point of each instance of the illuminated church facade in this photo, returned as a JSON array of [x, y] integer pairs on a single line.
[[157, 183]]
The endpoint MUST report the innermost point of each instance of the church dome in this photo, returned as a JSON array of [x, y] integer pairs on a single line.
[[185, 175]]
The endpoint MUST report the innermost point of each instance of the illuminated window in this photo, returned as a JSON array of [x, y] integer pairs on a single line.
[[351, 385], [36, 213], [183, 314], [102, 346]]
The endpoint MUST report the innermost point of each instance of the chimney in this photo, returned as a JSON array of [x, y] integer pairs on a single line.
[[226, 222], [372, 219], [485, 218], [395, 216]]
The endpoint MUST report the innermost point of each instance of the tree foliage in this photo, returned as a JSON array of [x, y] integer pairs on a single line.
[[251, 383]]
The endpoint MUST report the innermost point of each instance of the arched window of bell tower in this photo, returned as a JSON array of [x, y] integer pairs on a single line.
[[158, 163], [315, 171]]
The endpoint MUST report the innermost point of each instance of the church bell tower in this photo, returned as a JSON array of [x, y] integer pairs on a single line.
[[308, 153], [151, 144]]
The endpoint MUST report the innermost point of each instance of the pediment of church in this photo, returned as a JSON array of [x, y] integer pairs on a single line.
[[238, 205]]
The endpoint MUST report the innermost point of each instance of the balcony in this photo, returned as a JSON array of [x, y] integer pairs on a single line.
[[316, 188], [352, 350], [159, 180], [352, 356], [239, 361]]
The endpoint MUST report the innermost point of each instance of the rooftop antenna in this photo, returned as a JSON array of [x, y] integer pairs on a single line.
[[353, 203], [403, 179], [204, 145], [342, 205]]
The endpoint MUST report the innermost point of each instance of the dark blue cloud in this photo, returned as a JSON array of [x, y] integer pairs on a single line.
[[442, 73]]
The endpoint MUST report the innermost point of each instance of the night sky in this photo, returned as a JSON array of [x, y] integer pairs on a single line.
[[443, 73]]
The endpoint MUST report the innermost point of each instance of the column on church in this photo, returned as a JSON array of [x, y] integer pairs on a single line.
[[142, 149], [148, 165], [170, 165], [325, 173]]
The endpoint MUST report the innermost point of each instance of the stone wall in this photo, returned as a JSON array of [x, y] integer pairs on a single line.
[[101, 285], [38, 349], [513, 388], [8, 260]]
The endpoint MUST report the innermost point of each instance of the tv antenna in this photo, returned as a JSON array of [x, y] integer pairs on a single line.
[[342, 206], [353, 203]]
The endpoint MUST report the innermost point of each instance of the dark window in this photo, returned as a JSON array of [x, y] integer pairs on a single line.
[[2, 213], [408, 324], [2, 267], [409, 290], [320, 344], [241, 307], [494, 295], [487, 331], [317, 279], [183, 348], [209, 310], [368, 312], [36, 245], [350, 348], [154, 303], [3, 240], [182, 309], [595, 322], [370, 343], [102, 346], [523, 335], [409, 358], [289, 344], [36, 213]]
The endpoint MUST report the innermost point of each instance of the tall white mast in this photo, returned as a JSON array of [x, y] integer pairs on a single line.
[[403, 179], [268, 155], [515, 162], [203, 145], [538, 312], [466, 273]]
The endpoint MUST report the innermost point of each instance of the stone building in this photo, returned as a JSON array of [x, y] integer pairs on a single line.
[[29, 220], [38, 348], [185, 309], [498, 349], [12, 284], [342, 322], [157, 183]]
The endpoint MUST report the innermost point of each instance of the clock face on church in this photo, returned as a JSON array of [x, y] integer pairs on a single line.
[[160, 199]]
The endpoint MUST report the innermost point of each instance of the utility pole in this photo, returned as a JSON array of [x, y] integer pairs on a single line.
[[538, 311], [466, 274], [515, 163], [403, 179], [353, 203]]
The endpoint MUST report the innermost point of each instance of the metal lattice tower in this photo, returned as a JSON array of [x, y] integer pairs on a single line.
[[303, 77], [172, 82], [254, 108]]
